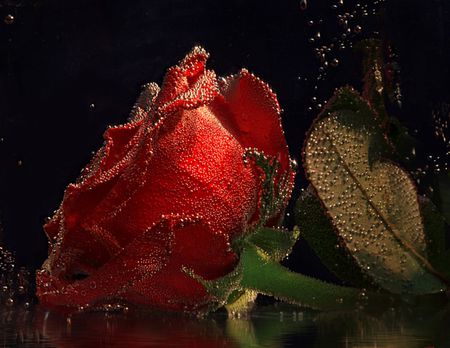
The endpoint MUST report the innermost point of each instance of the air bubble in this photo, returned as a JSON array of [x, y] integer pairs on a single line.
[[9, 19]]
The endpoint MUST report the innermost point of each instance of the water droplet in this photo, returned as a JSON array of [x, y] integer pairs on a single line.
[[9, 19]]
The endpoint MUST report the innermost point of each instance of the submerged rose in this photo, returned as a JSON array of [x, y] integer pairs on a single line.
[[157, 209]]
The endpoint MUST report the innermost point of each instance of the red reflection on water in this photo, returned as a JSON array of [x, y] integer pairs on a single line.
[[135, 329]]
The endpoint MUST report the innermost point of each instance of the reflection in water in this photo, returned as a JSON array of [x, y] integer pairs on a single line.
[[269, 326], [40, 328]]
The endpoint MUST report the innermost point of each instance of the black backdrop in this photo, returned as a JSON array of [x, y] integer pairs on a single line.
[[70, 68]]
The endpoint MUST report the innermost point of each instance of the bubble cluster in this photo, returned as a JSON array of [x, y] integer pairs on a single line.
[[15, 283], [343, 24], [441, 120]]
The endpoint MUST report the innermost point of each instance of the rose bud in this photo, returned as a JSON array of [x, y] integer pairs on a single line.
[[155, 216]]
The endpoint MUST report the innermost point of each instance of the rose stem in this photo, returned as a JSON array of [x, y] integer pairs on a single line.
[[270, 278]]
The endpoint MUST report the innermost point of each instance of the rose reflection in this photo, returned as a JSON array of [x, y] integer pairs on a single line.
[[267, 326], [99, 329]]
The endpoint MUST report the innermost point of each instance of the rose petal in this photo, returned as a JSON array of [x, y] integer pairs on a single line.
[[97, 179], [181, 77], [197, 166], [119, 141], [145, 102], [197, 247], [204, 251], [150, 269], [142, 258], [86, 205], [249, 109], [51, 227], [202, 92], [121, 145], [254, 115], [172, 290]]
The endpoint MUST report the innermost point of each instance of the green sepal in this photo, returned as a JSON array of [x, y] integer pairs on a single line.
[[240, 302], [273, 197], [228, 290], [276, 243], [234, 296], [219, 289], [317, 230]]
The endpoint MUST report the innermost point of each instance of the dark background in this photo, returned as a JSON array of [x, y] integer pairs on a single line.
[[70, 68]]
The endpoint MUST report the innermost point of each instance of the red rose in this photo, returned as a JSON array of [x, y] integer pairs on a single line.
[[168, 192]]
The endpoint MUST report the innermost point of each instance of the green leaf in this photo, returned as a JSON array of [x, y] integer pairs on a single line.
[[435, 229], [404, 144], [372, 203], [442, 196], [270, 278], [318, 231], [276, 243]]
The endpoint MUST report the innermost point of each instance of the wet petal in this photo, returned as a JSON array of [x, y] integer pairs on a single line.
[[197, 167], [204, 251], [123, 144], [197, 247], [254, 115], [51, 228], [142, 258], [190, 80]]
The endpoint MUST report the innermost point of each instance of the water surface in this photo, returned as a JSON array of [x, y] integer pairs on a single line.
[[276, 325]]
